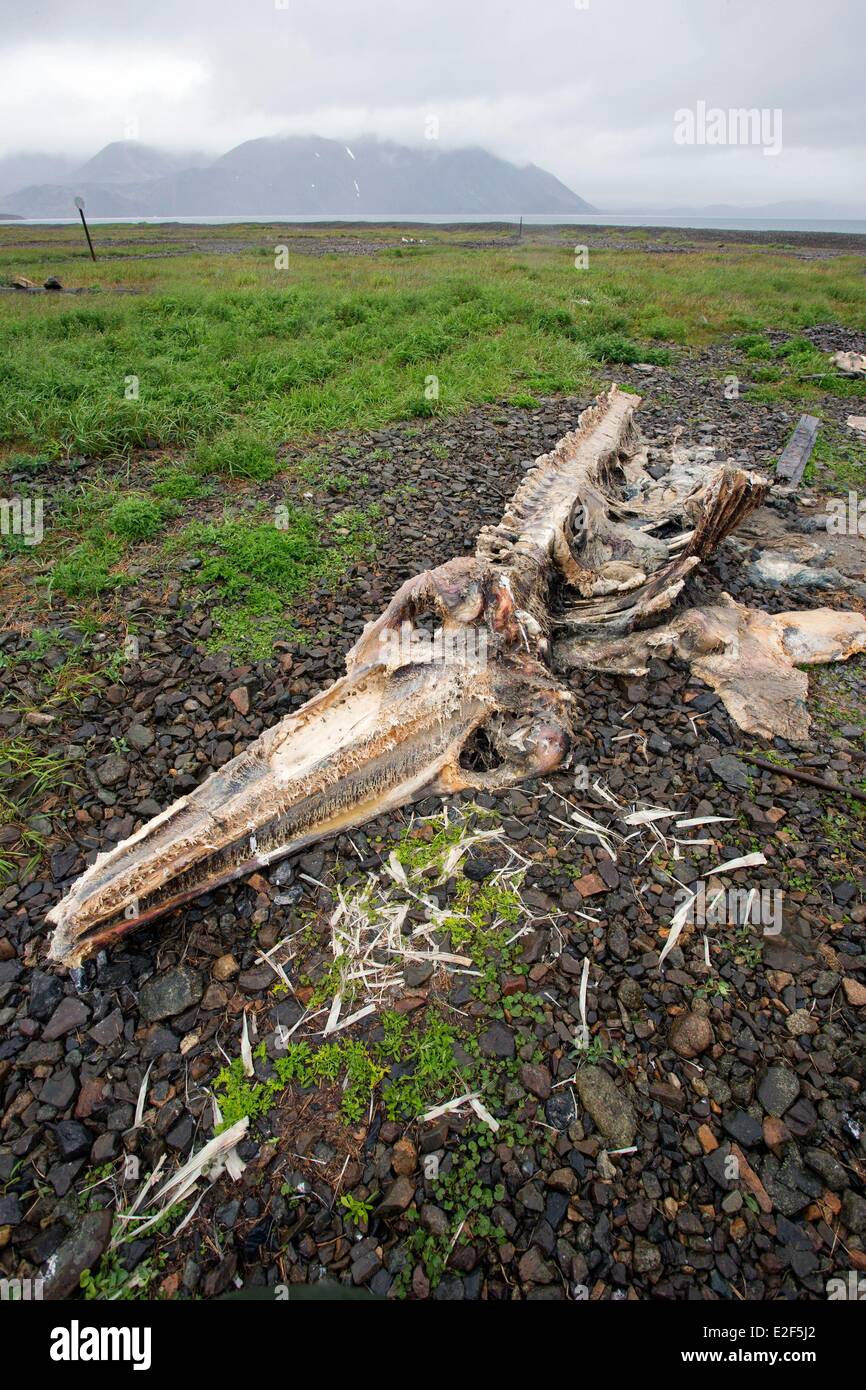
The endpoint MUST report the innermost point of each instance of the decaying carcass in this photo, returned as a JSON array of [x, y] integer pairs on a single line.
[[591, 551]]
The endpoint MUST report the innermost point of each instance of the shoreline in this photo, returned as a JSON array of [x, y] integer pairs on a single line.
[[743, 236]]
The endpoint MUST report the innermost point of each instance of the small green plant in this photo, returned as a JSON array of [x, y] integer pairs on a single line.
[[593, 1053], [432, 1068], [136, 518], [426, 1053], [306, 1066], [23, 463], [468, 1201], [111, 1282], [745, 948], [357, 1210], [179, 485], [613, 347], [238, 453], [25, 777], [713, 989], [86, 572]]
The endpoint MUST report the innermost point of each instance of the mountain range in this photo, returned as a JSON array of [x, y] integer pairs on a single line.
[[283, 176]]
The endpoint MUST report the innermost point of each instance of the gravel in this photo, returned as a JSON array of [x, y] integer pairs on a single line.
[[754, 1065]]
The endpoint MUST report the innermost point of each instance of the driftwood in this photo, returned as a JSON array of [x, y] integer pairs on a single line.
[[798, 450], [455, 686], [799, 774]]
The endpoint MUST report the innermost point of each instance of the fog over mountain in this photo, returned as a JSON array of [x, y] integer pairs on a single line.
[[296, 176], [588, 89]]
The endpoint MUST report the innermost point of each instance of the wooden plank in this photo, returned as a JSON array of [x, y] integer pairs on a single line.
[[797, 451]]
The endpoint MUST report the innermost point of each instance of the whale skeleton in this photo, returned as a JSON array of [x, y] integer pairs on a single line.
[[591, 553]]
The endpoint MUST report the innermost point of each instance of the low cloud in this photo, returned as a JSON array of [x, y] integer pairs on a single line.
[[588, 93]]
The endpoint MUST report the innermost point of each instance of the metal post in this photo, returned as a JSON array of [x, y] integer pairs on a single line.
[[79, 203]]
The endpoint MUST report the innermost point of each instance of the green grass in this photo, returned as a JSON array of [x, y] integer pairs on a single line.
[[22, 766], [237, 454], [86, 572], [179, 485], [794, 371], [137, 518], [843, 455], [27, 776], [253, 570], [232, 374], [359, 1068], [234, 358]]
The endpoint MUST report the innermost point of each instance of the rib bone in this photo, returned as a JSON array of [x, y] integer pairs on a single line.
[[590, 550]]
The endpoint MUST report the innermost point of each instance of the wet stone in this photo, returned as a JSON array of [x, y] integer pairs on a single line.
[[778, 1090], [418, 973], [536, 1079], [259, 978], [164, 996], [108, 1030], [80, 1251], [647, 1257], [608, 1105], [58, 1090], [780, 1181], [11, 1211], [730, 770], [497, 1041], [397, 1198], [139, 737], [802, 1118], [534, 1269], [69, 1015], [158, 1041], [113, 770], [560, 1111], [478, 869], [825, 983], [828, 1168], [853, 1213], [63, 862], [690, 1035], [46, 992], [73, 1139], [716, 1164], [618, 942], [744, 1128]]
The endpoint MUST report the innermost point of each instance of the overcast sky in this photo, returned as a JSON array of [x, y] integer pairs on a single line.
[[588, 93]]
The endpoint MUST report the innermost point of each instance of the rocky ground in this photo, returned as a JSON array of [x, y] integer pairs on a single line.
[[747, 1047]]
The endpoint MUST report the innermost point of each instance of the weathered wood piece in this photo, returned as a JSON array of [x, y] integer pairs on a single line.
[[797, 451]]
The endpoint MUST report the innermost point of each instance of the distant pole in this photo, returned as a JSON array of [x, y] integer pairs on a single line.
[[520, 231], [79, 203]]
